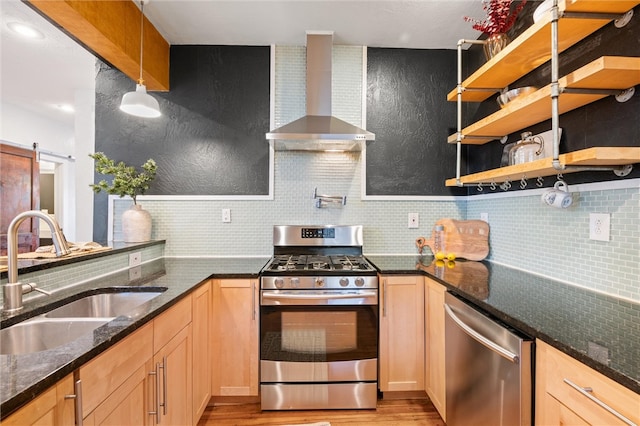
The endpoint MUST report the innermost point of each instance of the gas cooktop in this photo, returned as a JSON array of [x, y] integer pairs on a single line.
[[318, 263]]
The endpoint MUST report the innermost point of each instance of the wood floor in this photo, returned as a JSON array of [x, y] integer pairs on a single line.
[[389, 413]]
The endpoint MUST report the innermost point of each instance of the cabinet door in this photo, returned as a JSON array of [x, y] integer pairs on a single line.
[[402, 333], [105, 374], [435, 359], [172, 342], [201, 327], [174, 372], [235, 336], [128, 405], [48, 409]]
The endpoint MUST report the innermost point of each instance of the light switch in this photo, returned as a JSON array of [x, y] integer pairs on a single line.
[[226, 215]]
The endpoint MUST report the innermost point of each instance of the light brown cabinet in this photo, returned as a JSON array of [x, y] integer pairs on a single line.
[[173, 364], [571, 393], [114, 383], [235, 338], [434, 379], [48, 409], [125, 406], [401, 351], [201, 300]]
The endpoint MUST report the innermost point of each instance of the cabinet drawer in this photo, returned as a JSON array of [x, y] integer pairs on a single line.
[[561, 371], [171, 322], [105, 373]]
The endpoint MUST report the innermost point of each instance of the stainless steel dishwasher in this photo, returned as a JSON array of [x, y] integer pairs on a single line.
[[488, 369]]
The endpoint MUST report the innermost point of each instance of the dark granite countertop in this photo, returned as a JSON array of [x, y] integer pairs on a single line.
[[576, 321], [25, 376], [599, 330]]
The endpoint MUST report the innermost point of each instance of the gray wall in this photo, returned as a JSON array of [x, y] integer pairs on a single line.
[[210, 137], [408, 112]]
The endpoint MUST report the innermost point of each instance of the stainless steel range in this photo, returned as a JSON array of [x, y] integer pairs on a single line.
[[318, 321]]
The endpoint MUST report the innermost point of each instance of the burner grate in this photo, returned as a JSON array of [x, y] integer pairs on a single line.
[[318, 263]]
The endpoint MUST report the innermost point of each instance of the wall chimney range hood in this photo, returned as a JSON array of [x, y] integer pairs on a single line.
[[318, 130]]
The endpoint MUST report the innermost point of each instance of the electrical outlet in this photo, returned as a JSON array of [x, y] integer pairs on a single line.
[[485, 217], [135, 259], [226, 215], [599, 224], [414, 220]]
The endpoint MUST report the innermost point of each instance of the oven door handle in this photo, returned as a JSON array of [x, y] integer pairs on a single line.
[[275, 295]]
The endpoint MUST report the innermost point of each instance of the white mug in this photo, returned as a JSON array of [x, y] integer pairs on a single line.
[[558, 197]]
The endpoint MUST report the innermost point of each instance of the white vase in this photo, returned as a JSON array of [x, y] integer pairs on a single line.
[[136, 225]]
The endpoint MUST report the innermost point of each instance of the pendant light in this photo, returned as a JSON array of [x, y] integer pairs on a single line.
[[140, 103]]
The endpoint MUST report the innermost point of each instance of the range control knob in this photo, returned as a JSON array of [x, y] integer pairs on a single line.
[[359, 281], [295, 282], [319, 282], [279, 282], [344, 282]]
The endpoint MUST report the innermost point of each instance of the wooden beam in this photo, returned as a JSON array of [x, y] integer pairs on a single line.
[[111, 30]]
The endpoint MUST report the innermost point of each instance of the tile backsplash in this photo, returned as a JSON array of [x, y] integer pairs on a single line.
[[527, 234], [73, 274]]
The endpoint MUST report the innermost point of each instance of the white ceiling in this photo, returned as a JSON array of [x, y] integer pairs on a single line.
[[419, 24], [39, 74]]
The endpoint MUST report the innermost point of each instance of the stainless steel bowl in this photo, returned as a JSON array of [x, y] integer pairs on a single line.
[[504, 98]]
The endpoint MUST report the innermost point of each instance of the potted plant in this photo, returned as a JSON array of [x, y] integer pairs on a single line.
[[136, 222], [500, 18]]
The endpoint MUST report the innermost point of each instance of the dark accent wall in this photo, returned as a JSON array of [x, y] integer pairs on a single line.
[[210, 139], [602, 123], [408, 112]]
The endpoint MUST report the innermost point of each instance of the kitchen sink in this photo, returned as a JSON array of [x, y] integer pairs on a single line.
[[70, 321], [102, 305], [39, 333]]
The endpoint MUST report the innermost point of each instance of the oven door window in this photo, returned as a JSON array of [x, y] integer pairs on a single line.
[[318, 334]]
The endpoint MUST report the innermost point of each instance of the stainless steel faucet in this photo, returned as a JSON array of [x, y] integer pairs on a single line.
[[13, 290]]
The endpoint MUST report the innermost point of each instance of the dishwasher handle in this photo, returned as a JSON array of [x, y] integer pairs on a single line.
[[505, 353]]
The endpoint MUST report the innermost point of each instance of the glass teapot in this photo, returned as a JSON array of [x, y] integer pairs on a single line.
[[527, 149]]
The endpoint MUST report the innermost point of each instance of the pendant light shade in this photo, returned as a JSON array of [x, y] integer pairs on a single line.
[[140, 103]]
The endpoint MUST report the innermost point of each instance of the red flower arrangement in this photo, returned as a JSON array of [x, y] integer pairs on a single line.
[[499, 16]]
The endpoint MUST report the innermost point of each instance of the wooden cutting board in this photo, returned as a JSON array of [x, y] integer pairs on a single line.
[[467, 239]]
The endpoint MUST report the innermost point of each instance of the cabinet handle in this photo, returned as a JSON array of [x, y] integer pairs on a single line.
[[587, 392], [253, 300], [384, 298], [77, 396], [489, 344], [157, 386], [164, 385]]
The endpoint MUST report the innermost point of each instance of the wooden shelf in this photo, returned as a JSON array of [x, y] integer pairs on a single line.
[[532, 48], [606, 72], [596, 156]]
